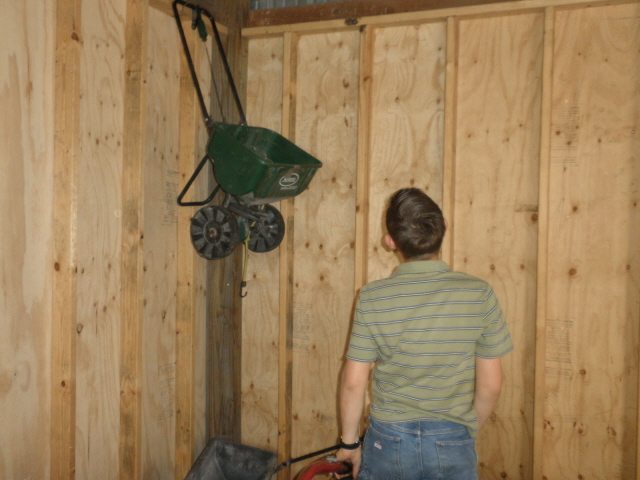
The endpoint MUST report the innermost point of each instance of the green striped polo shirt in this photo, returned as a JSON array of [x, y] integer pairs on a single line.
[[424, 325]]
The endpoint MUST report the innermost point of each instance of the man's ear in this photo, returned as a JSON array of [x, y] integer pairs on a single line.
[[390, 243], [446, 224]]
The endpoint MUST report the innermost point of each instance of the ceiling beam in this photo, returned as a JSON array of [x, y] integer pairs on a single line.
[[350, 9]]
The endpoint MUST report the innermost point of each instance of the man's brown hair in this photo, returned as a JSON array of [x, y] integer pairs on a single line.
[[415, 223]]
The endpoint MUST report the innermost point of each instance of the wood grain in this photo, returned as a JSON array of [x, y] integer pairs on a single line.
[[201, 190], [424, 16], [134, 143], [324, 236], [64, 283], [27, 72], [285, 297], [449, 137], [406, 126], [592, 315], [496, 208], [161, 173], [99, 241], [350, 10], [543, 242], [364, 155], [185, 392], [261, 305]]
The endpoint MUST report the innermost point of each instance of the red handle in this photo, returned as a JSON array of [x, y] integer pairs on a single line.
[[316, 468]]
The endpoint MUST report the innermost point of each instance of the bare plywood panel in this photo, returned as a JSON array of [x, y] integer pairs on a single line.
[[406, 124], [99, 243], [324, 236], [592, 308], [260, 308], [160, 246], [26, 238], [495, 208]]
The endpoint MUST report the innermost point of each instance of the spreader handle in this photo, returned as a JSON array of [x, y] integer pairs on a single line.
[[323, 466]]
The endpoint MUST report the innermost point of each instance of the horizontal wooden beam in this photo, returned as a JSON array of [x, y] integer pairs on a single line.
[[406, 18], [351, 9]]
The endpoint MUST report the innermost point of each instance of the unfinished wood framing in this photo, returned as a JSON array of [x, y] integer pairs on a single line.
[[285, 299], [495, 207], [90, 241], [134, 142], [592, 315], [543, 242], [325, 126], [64, 312], [407, 122], [504, 114], [364, 141], [413, 18], [519, 117], [449, 154], [224, 303], [99, 243], [187, 275], [350, 11], [32, 154]]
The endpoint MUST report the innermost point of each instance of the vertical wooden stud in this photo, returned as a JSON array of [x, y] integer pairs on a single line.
[[132, 237], [66, 152], [362, 171], [285, 355], [186, 299], [543, 242], [449, 157], [224, 304], [224, 331]]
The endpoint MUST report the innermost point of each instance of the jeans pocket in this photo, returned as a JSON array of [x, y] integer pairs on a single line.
[[458, 459], [380, 457]]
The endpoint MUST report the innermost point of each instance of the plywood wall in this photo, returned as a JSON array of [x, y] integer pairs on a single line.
[[99, 240], [592, 314], [494, 218], [521, 120], [69, 365], [324, 231], [407, 125], [26, 229]]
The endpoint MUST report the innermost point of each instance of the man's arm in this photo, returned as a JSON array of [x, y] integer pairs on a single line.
[[355, 379], [488, 386]]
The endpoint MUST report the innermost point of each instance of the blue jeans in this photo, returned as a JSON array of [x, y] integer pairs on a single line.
[[418, 451]]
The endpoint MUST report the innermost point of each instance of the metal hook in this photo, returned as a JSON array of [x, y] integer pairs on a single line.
[[243, 285]]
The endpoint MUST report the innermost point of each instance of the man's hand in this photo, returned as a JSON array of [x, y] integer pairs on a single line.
[[354, 457]]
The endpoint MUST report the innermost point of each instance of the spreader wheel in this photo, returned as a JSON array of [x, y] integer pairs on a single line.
[[268, 231], [214, 232]]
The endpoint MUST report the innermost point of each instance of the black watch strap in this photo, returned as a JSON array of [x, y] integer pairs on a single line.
[[350, 446]]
